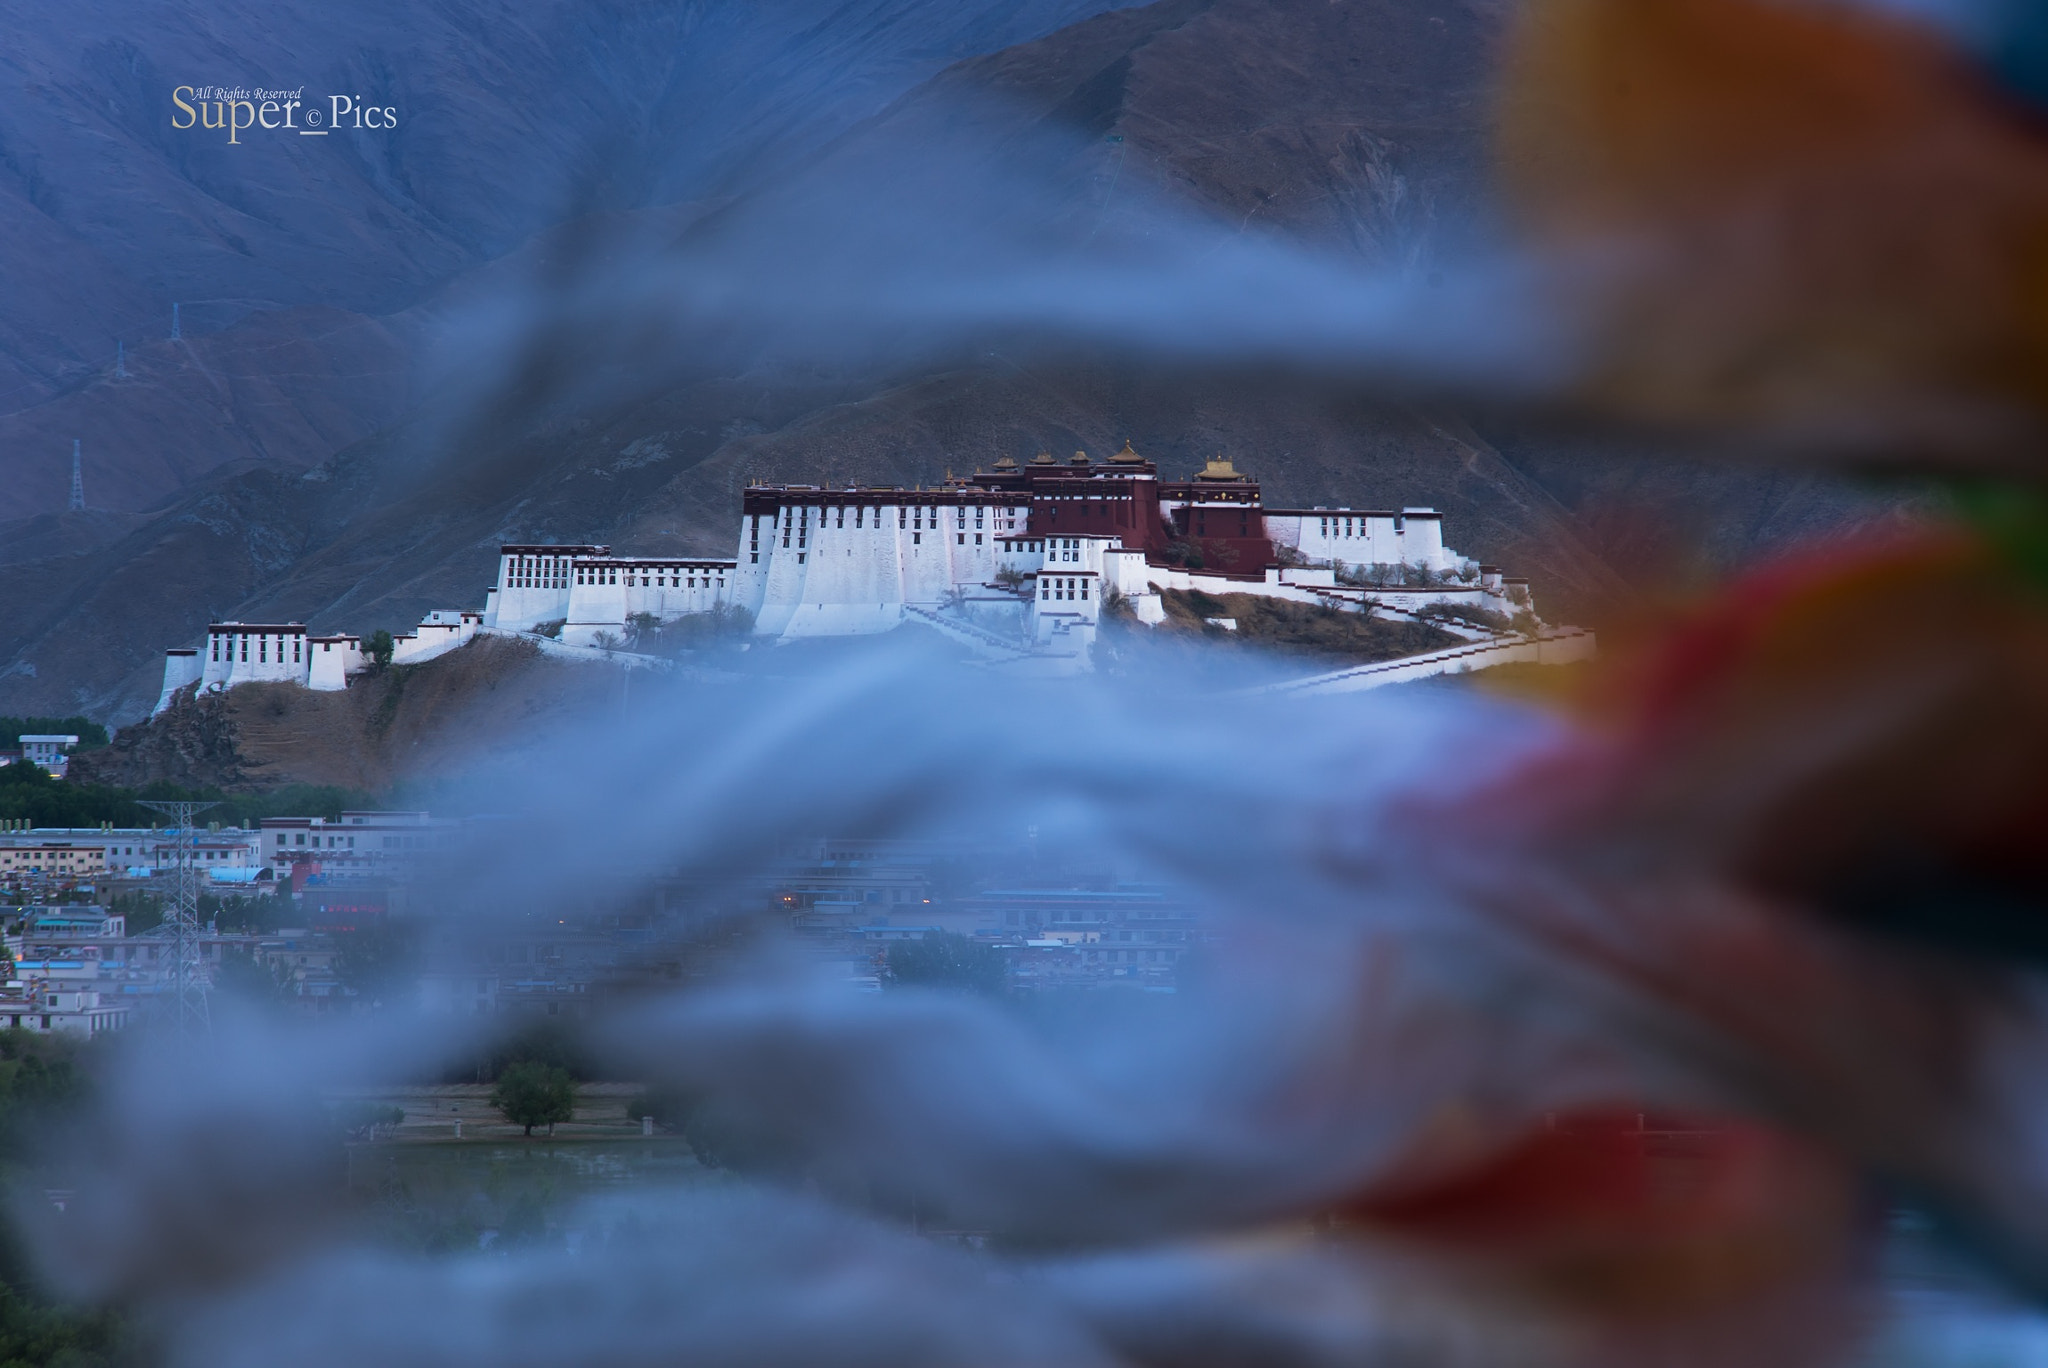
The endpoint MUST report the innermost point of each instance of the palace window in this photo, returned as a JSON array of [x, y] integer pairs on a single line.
[[961, 537], [977, 539], [917, 539], [902, 518]]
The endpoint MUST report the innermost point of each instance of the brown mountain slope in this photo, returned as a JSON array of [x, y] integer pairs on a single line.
[[288, 386], [407, 724]]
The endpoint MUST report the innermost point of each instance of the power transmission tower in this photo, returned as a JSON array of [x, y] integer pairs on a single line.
[[182, 966], [120, 359], [174, 323], [77, 480]]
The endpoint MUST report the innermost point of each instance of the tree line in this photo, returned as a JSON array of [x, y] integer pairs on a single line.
[[90, 734], [26, 793]]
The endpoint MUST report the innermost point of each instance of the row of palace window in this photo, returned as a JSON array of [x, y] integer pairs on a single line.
[[538, 572], [654, 580], [1061, 549], [1355, 527], [798, 518], [262, 648], [1061, 587]]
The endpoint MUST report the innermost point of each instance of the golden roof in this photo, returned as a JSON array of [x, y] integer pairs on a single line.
[[1006, 463], [1078, 458], [1219, 469], [1042, 458], [1126, 456]]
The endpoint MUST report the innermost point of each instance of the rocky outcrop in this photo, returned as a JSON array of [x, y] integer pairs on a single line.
[[192, 743]]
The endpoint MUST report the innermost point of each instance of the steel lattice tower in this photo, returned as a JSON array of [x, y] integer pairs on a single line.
[[184, 969], [77, 480]]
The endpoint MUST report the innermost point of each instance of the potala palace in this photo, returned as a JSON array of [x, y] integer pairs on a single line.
[[1018, 563]]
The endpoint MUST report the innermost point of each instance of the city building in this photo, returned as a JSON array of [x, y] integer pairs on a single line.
[[45, 859], [59, 996], [51, 752], [131, 852], [354, 843]]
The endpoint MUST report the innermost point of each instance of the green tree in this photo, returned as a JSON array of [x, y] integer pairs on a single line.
[[379, 648], [531, 1094], [642, 629], [945, 960], [28, 794]]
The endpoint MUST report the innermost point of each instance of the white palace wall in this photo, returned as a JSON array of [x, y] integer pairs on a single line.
[[440, 632], [819, 568], [253, 652], [605, 593], [181, 670], [335, 658], [1355, 538]]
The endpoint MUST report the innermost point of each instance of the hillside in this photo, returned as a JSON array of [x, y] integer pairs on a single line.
[[295, 260], [590, 412], [407, 724]]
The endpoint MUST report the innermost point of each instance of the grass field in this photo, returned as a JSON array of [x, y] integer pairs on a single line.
[[424, 1189]]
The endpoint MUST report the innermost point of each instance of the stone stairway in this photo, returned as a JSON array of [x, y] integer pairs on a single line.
[[980, 639]]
